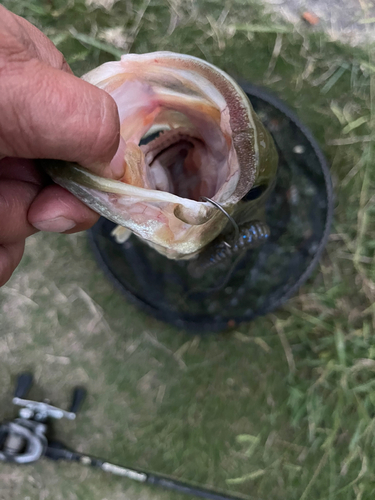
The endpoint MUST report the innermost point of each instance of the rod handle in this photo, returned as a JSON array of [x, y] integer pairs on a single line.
[[79, 395], [24, 382]]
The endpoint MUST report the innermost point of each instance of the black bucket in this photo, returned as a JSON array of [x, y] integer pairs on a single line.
[[298, 212]]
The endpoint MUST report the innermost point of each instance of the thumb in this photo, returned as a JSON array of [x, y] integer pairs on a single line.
[[48, 113]]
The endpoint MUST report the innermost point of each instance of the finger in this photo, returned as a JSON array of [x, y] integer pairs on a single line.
[[48, 113], [57, 210], [15, 199], [10, 256], [35, 43]]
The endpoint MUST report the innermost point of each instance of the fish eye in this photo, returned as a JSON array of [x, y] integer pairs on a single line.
[[255, 192]]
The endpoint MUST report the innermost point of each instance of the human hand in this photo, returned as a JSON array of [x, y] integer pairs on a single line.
[[45, 112]]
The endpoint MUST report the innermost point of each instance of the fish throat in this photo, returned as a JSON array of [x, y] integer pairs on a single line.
[[173, 161], [194, 154]]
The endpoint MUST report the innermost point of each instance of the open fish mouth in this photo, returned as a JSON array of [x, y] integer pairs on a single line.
[[175, 159], [195, 154], [188, 132]]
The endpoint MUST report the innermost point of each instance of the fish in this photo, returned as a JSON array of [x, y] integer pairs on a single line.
[[193, 150]]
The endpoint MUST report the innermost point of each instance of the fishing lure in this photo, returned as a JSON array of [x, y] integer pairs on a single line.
[[249, 236]]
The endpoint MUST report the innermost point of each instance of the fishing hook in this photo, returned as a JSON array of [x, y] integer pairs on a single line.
[[229, 217]]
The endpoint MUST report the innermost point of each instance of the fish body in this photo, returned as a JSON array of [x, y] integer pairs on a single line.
[[188, 131]]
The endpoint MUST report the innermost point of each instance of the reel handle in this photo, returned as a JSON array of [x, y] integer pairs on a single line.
[[24, 383], [79, 395]]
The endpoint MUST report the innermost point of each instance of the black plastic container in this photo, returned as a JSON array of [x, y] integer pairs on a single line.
[[299, 213]]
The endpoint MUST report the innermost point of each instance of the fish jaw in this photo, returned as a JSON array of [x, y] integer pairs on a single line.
[[178, 228], [211, 146]]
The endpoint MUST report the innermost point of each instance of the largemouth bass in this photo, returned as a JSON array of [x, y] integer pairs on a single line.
[[188, 134]]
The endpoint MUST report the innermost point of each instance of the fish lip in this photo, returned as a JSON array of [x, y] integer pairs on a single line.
[[184, 215], [188, 211]]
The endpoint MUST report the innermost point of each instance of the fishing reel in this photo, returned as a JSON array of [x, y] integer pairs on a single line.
[[27, 439], [24, 440]]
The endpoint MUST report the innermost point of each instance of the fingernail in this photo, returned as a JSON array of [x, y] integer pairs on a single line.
[[56, 225]]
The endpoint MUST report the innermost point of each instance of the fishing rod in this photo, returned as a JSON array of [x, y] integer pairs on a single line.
[[27, 439]]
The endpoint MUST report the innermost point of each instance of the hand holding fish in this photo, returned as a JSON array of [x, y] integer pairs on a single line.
[[166, 145], [45, 112]]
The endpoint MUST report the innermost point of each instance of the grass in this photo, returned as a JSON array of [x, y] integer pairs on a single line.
[[281, 408]]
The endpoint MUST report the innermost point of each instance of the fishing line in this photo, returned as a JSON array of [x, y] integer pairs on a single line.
[[235, 263], [223, 282], [231, 269], [250, 236]]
